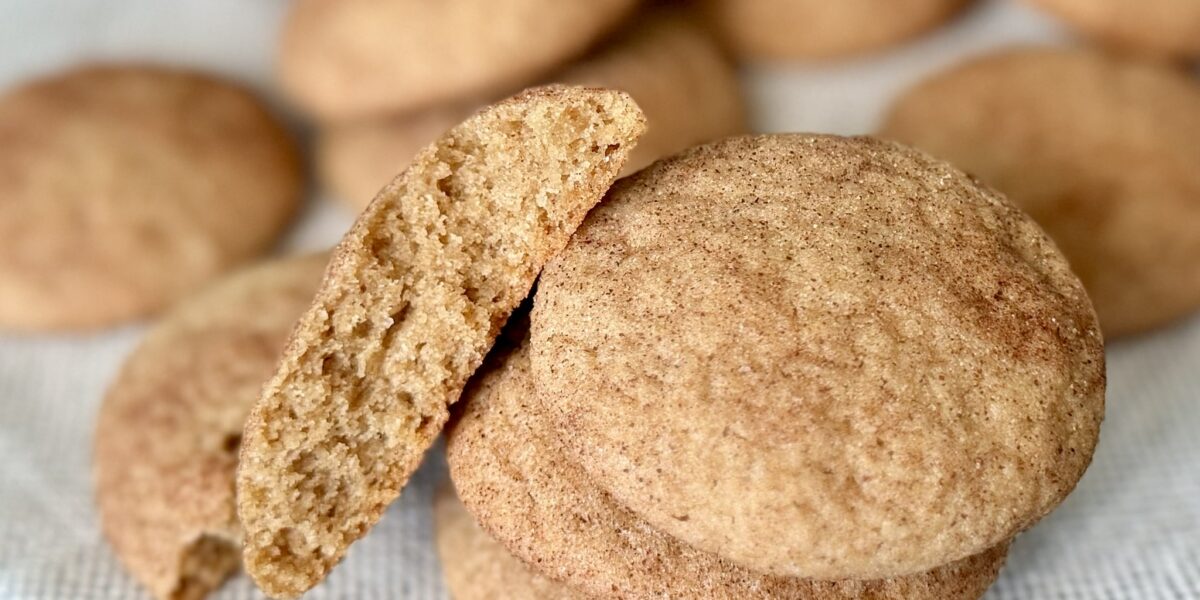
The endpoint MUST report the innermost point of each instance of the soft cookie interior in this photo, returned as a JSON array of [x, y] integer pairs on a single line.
[[414, 297]]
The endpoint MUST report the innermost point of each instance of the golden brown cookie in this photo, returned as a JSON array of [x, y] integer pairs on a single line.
[[840, 345], [1102, 151], [802, 29], [476, 567], [515, 477], [1160, 27], [348, 58], [415, 294], [125, 188], [673, 70], [169, 428]]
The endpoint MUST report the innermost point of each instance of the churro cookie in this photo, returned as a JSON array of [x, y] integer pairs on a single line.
[[414, 297], [125, 188], [840, 345], [671, 67], [476, 567], [170, 425], [1101, 151], [516, 479], [346, 58], [1161, 27], [800, 29]]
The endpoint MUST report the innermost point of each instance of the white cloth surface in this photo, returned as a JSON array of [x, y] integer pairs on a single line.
[[1130, 531]]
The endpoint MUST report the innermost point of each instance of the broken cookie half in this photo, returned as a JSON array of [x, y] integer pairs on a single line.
[[411, 303]]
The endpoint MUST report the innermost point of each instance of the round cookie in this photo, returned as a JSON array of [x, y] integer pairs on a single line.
[[348, 58], [1102, 151], [516, 479], [126, 188], [1160, 27], [670, 66], [840, 345], [476, 567], [806, 29], [169, 427]]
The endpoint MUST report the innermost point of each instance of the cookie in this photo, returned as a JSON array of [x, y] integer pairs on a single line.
[[416, 293], [348, 58], [839, 345], [1158, 27], [476, 567], [169, 428], [1101, 151], [808, 29], [516, 479], [126, 188], [673, 70]]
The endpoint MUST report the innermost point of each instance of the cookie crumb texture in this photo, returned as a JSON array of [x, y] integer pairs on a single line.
[[820, 357], [416, 293], [168, 430]]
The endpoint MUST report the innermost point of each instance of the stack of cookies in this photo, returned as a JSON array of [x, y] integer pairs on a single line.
[[383, 79], [778, 367]]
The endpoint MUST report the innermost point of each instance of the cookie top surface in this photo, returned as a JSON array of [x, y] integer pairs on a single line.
[[517, 480], [798, 29], [1162, 27], [476, 567], [345, 58], [1101, 151], [169, 427], [416, 292], [670, 66], [126, 187], [840, 345]]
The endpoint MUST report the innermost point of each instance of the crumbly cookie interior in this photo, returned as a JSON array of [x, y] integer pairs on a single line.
[[414, 297]]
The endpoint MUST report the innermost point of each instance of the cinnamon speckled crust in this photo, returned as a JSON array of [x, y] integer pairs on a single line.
[[124, 188], [1160, 27], [517, 480], [800, 29], [839, 345], [416, 292], [169, 427], [672, 68], [476, 567], [350, 58], [1102, 151]]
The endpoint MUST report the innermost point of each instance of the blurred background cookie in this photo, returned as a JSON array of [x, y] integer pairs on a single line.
[[804, 29], [169, 428], [125, 188], [347, 58], [1104, 152], [1161, 27], [515, 477], [687, 89], [765, 347]]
